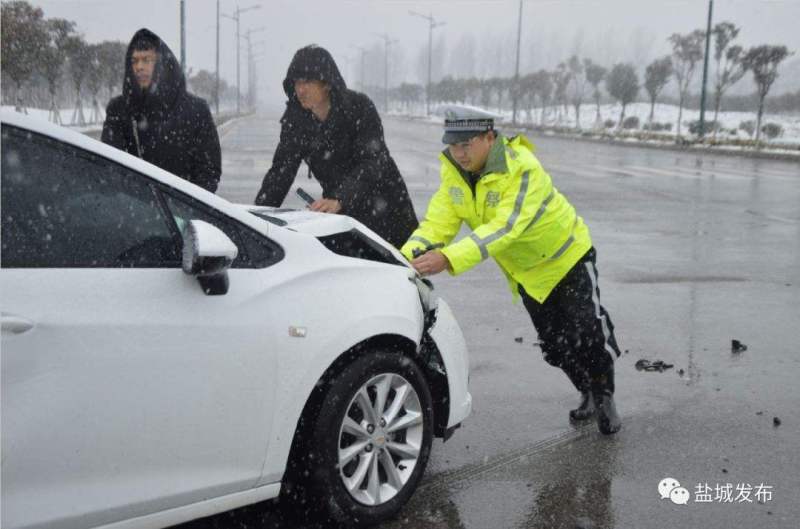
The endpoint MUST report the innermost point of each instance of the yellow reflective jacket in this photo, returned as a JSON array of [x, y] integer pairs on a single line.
[[516, 215]]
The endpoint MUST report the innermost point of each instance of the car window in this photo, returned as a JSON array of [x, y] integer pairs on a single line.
[[255, 251], [63, 207]]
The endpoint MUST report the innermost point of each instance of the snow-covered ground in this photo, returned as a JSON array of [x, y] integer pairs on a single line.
[[66, 117], [729, 121], [96, 124]]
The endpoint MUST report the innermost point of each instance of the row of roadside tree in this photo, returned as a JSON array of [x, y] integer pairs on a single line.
[[577, 81], [50, 65]]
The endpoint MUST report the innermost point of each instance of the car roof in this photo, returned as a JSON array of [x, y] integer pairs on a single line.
[[80, 140]]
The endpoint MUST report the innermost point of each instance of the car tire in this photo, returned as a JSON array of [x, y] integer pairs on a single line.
[[362, 466]]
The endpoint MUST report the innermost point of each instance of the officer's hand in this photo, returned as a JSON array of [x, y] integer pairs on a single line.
[[326, 205], [430, 263]]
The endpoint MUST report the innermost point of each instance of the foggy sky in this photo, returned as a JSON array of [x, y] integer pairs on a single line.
[[479, 35]]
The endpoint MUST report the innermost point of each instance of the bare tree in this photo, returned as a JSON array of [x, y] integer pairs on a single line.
[[410, 94], [578, 86], [473, 85], [52, 59], [763, 61], [561, 77], [23, 39], [80, 62], [111, 58], [498, 87], [687, 51], [595, 75], [203, 84], [94, 81], [544, 87], [486, 93], [527, 88], [656, 78], [623, 85], [729, 63]]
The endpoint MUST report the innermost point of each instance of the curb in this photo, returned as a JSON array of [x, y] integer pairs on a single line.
[[696, 149], [758, 154]]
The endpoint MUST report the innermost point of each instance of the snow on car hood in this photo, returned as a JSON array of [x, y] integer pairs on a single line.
[[318, 224]]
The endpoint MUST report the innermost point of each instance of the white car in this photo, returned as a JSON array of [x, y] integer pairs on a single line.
[[167, 355]]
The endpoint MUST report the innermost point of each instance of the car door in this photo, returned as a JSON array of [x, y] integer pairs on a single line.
[[125, 389]]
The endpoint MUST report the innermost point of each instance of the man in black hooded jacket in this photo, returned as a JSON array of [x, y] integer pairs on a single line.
[[339, 135], [157, 120]]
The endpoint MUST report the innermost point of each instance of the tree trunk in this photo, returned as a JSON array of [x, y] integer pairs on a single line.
[[716, 113], [621, 116], [598, 119], [19, 104], [758, 120], [652, 110], [680, 115], [578, 116]]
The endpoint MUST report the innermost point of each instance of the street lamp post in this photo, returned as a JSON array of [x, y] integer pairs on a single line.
[[705, 71], [216, 76], [363, 51], [236, 16], [183, 36], [515, 87], [247, 37], [431, 25], [386, 42]]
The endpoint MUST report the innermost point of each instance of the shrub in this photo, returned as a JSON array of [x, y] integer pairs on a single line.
[[631, 122], [748, 126], [710, 126], [609, 123], [772, 130]]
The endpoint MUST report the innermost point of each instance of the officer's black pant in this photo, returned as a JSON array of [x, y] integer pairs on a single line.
[[575, 331]]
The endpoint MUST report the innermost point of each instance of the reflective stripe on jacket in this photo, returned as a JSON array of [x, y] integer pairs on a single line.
[[516, 215]]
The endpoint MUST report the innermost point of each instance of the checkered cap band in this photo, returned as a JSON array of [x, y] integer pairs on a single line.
[[468, 125]]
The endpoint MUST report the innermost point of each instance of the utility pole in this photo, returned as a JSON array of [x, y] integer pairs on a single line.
[[515, 87], [363, 51], [386, 42], [431, 25], [183, 36], [216, 76], [250, 62], [705, 71], [236, 16]]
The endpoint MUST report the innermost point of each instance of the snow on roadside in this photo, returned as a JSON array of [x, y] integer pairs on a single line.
[[66, 117], [663, 113]]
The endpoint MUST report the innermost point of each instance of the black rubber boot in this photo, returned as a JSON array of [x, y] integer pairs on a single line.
[[585, 409], [608, 421]]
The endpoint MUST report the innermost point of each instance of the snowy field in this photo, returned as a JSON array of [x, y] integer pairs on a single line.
[[729, 121], [66, 117]]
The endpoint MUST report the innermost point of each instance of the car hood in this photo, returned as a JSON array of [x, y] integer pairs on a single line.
[[319, 225]]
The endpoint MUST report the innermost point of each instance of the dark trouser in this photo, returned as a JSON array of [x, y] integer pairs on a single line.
[[575, 331]]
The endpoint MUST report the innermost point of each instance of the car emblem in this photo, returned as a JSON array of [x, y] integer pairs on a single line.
[[297, 332]]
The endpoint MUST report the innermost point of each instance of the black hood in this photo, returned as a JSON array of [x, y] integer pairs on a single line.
[[313, 63], [168, 79]]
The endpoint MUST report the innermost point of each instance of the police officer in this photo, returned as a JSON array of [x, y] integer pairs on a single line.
[[498, 187]]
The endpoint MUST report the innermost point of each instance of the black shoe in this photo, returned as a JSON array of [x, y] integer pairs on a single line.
[[585, 409], [608, 420]]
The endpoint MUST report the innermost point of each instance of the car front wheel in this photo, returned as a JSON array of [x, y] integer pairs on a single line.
[[373, 435]]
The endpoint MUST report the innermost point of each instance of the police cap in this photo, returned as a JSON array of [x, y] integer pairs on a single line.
[[463, 123]]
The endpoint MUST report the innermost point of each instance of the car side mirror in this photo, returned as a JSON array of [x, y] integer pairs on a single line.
[[207, 254]]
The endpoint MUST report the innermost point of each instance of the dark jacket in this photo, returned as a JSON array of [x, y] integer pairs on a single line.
[[346, 153], [175, 129]]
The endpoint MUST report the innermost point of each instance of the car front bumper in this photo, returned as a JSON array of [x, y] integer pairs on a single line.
[[449, 339]]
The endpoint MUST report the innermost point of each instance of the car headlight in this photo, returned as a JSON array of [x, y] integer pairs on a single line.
[[426, 295]]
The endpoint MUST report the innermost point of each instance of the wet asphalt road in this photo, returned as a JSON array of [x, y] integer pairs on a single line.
[[693, 251]]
